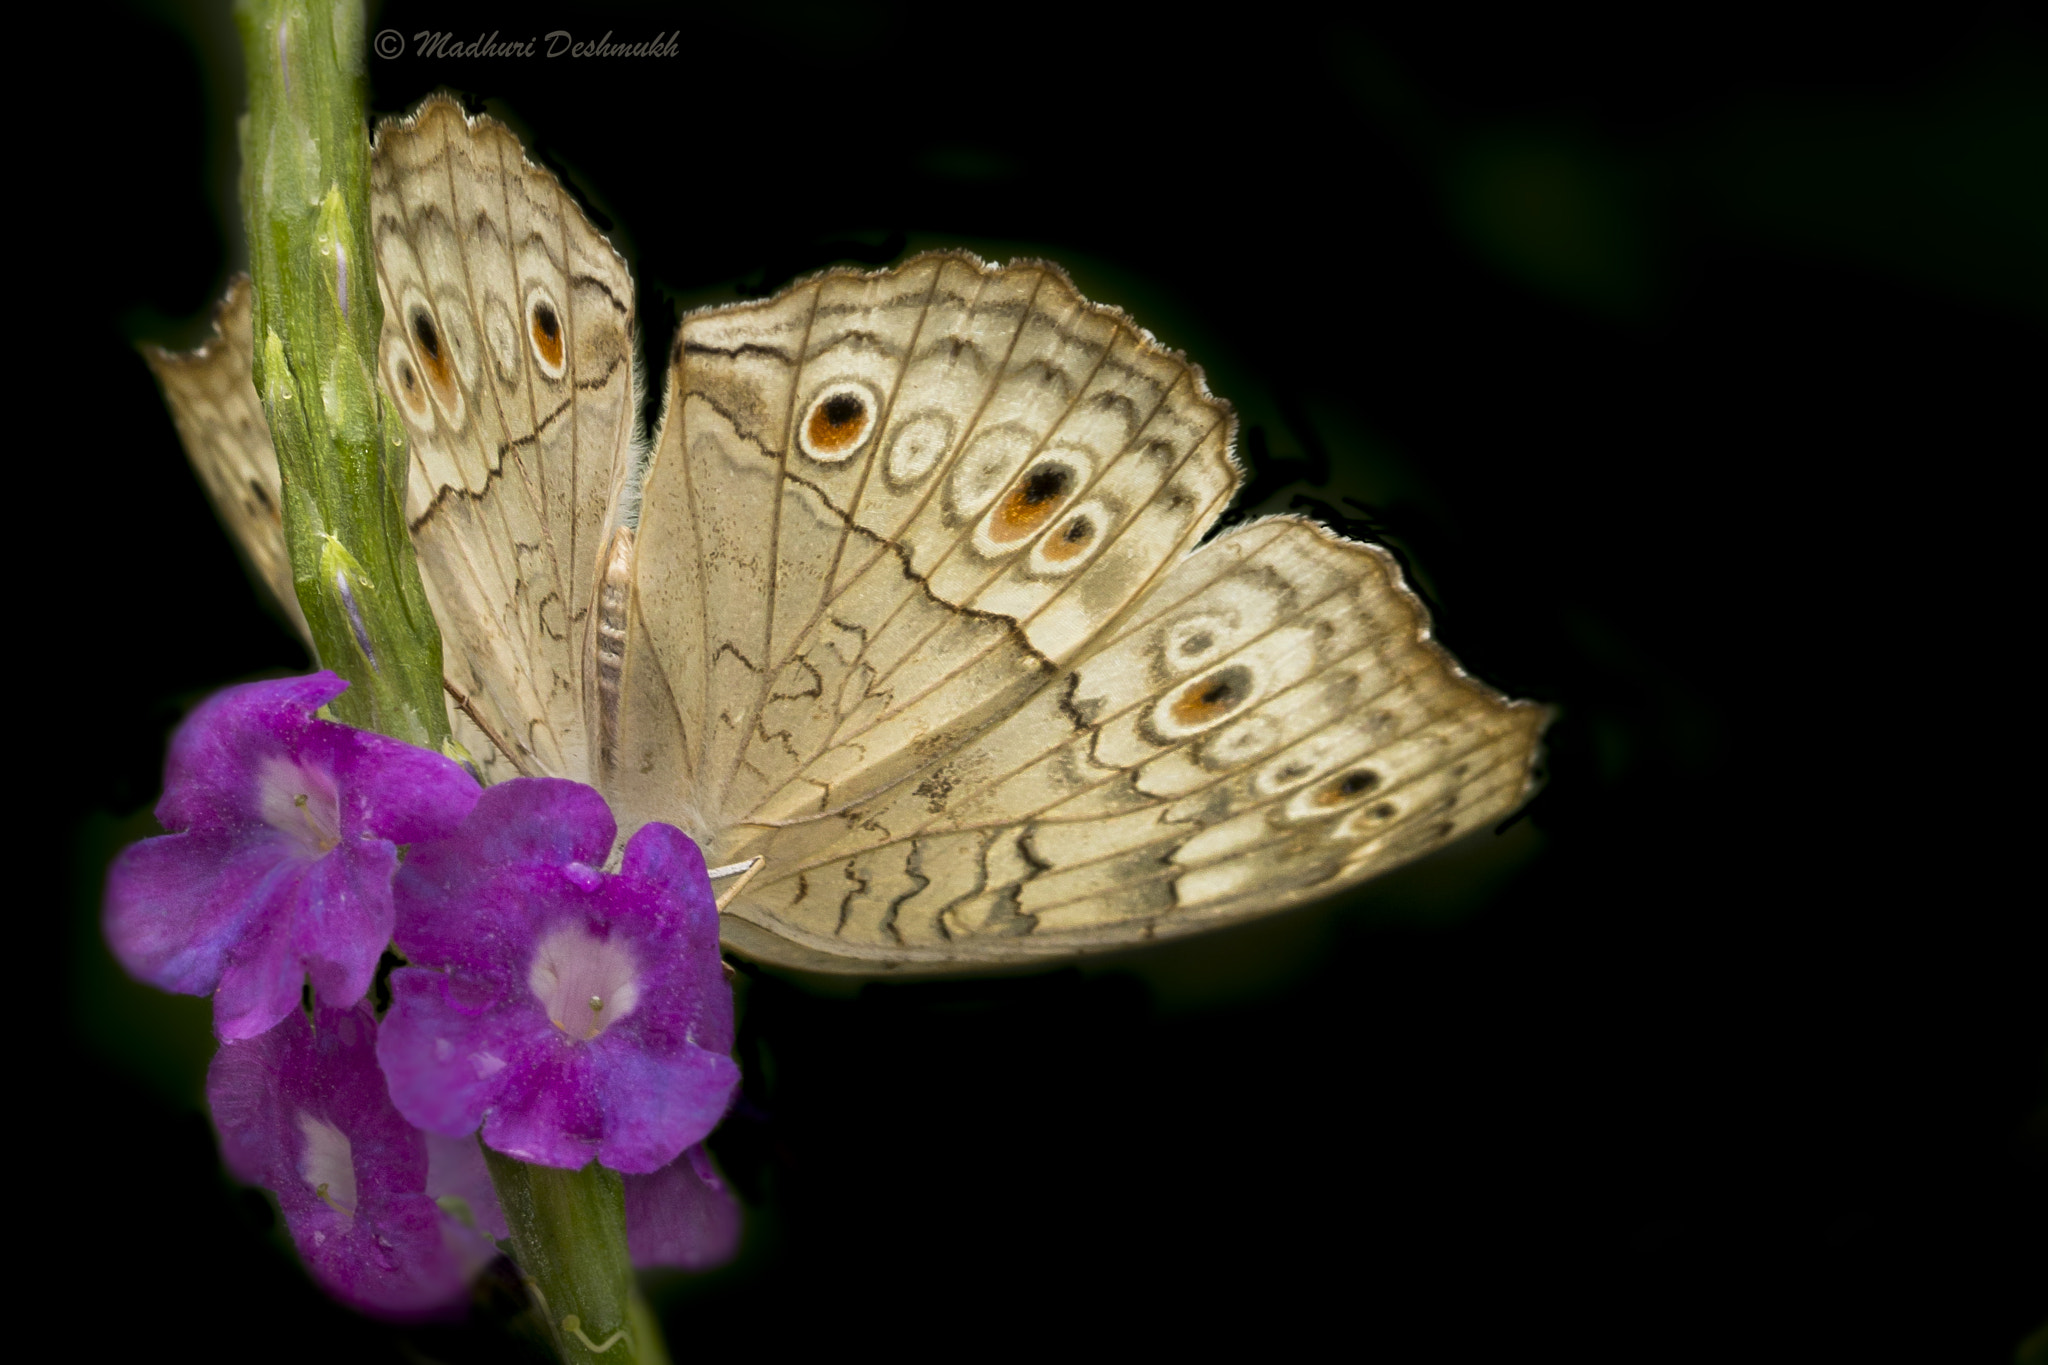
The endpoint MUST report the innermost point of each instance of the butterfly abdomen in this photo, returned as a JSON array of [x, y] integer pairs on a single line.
[[614, 592]]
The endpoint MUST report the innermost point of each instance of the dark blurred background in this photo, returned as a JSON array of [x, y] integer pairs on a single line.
[[1691, 362]]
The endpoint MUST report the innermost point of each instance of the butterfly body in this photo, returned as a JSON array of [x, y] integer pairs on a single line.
[[907, 598]]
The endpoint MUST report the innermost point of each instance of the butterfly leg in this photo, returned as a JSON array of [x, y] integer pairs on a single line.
[[745, 872]]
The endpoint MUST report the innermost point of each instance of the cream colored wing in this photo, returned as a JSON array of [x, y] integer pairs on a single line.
[[1272, 723], [213, 402], [840, 576], [912, 615], [508, 349]]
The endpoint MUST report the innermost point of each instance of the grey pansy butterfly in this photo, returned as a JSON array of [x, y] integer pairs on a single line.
[[901, 611]]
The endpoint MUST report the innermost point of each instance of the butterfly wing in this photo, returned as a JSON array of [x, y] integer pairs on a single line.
[[1271, 725], [834, 606], [913, 616], [220, 419], [508, 349]]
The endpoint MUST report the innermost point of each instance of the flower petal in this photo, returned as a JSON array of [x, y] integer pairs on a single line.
[[682, 1215], [328, 1069], [666, 860], [344, 918], [536, 821], [469, 898], [456, 1170], [398, 1258], [548, 1112], [177, 904], [212, 778], [302, 1111], [656, 1105], [265, 978], [390, 789], [442, 1061]]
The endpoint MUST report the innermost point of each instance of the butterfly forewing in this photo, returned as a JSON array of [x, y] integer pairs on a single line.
[[507, 348]]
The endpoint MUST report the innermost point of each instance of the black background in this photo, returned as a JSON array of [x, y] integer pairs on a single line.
[[1694, 368]]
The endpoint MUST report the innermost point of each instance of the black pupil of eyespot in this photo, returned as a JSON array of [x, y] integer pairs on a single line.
[[1045, 484], [1078, 531], [406, 370], [423, 328], [544, 318], [1217, 692], [843, 409], [1355, 783]]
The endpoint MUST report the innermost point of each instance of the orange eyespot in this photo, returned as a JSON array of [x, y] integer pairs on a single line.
[[838, 424], [1066, 544], [1344, 788], [1031, 503], [405, 381], [1205, 699], [429, 339], [1069, 536], [546, 329]]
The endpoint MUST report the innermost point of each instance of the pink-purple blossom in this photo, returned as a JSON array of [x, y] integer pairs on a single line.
[[682, 1216], [302, 1111], [575, 1014], [456, 1171], [284, 841]]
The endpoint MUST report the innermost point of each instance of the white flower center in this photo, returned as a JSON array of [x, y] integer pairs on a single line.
[[300, 802], [585, 983], [327, 1163]]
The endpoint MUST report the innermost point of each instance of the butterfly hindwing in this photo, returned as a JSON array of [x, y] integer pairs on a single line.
[[1272, 724], [220, 419]]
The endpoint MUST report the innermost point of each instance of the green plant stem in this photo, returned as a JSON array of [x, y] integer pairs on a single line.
[[341, 452], [340, 449], [569, 1237]]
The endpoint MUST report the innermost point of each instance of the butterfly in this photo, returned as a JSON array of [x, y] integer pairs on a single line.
[[905, 610]]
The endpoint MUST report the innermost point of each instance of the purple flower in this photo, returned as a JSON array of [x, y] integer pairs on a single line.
[[456, 1170], [302, 1111], [286, 839], [682, 1215], [575, 1014]]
